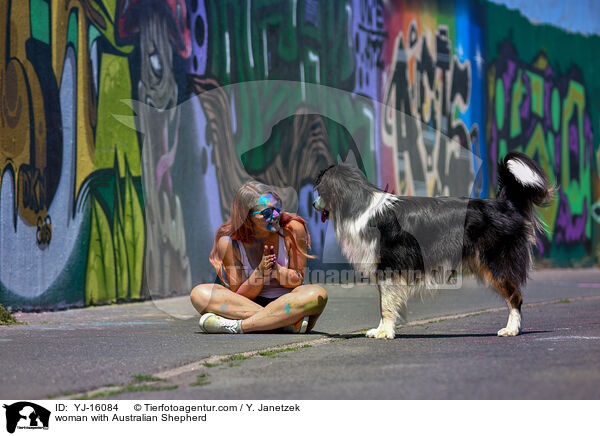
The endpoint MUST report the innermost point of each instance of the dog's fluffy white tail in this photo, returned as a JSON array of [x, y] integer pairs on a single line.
[[524, 174], [523, 182]]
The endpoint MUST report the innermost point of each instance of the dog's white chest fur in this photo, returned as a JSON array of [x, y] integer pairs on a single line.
[[360, 251]]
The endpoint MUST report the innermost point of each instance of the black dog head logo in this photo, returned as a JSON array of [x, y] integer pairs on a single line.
[[26, 414]]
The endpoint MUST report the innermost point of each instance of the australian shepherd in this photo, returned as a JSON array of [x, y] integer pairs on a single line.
[[412, 244]]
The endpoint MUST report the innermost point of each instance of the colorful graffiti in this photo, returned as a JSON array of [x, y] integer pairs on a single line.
[[161, 33], [286, 43], [46, 128], [71, 188], [537, 110], [542, 100], [417, 111], [428, 126], [126, 126]]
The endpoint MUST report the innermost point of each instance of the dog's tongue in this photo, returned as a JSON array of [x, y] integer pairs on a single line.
[[324, 215]]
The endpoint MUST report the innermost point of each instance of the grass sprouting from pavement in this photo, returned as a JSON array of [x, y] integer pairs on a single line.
[[6, 318], [234, 357], [274, 353], [271, 353], [124, 389], [563, 301], [133, 386], [140, 378], [240, 357], [201, 380]]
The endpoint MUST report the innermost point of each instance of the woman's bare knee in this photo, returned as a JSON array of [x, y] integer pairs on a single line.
[[201, 296], [315, 297]]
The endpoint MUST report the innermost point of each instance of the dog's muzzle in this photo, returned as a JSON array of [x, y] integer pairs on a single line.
[[319, 205]]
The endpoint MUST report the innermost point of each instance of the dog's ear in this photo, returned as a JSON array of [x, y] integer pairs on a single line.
[[320, 176], [350, 160]]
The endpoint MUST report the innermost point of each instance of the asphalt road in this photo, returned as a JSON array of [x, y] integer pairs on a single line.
[[82, 351], [451, 359]]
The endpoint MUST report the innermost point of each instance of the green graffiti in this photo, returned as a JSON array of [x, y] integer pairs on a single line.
[[518, 91], [40, 20], [103, 13], [121, 267], [128, 231], [112, 136], [577, 191], [555, 108], [72, 36], [549, 145], [502, 150], [279, 47], [499, 104], [536, 122], [120, 239], [537, 93], [538, 147], [100, 281], [133, 227], [93, 34]]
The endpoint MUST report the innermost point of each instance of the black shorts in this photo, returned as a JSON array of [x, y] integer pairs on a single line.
[[263, 301]]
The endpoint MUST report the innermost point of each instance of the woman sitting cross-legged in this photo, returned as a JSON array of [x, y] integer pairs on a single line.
[[260, 258]]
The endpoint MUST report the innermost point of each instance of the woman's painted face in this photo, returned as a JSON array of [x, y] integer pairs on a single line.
[[268, 211]]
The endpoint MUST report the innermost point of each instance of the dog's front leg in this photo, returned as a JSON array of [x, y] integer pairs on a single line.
[[389, 312]]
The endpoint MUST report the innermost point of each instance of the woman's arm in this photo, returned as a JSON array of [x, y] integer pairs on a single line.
[[293, 276], [234, 268]]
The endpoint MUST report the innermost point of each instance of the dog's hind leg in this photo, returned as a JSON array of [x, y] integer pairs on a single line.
[[512, 295], [393, 295]]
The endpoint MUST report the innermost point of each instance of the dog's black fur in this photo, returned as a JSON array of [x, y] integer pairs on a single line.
[[491, 238]]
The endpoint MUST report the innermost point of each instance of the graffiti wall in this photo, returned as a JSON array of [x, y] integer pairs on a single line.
[[543, 91], [128, 125], [432, 90]]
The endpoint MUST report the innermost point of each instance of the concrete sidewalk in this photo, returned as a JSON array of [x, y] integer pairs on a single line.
[[544, 285], [81, 349]]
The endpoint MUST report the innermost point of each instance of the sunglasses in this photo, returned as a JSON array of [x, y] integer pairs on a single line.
[[267, 213]]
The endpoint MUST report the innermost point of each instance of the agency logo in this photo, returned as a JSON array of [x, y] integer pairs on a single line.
[[26, 415]]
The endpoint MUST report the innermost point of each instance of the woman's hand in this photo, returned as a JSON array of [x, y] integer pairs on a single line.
[[265, 267], [293, 275]]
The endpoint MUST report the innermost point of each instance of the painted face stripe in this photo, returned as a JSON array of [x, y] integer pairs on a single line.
[[268, 200]]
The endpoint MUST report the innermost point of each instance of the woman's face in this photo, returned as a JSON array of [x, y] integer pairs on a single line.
[[265, 215]]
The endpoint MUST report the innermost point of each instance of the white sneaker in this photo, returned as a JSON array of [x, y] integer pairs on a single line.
[[213, 323], [300, 327]]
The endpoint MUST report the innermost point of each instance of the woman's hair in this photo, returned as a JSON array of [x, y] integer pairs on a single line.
[[239, 227]]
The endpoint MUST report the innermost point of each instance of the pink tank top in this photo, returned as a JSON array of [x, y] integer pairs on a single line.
[[273, 289]]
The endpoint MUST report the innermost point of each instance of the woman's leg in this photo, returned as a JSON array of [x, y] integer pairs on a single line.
[[305, 300], [218, 299]]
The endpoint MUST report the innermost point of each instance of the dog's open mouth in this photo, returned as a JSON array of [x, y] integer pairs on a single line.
[[319, 205]]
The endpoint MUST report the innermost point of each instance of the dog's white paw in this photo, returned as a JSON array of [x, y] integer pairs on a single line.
[[513, 326], [506, 331], [380, 333]]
